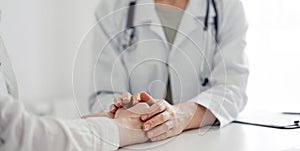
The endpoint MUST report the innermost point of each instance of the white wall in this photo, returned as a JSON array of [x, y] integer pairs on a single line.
[[42, 38], [274, 52]]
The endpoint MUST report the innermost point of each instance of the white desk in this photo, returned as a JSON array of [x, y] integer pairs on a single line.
[[234, 137]]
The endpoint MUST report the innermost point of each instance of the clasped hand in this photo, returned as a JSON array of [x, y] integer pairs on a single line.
[[155, 119], [161, 120]]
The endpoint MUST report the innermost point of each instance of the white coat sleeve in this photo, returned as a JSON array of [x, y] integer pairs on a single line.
[[20, 130], [226, 97], [110, 74]]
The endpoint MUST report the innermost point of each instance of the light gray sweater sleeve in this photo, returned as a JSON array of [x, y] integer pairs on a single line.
[[20, 130]]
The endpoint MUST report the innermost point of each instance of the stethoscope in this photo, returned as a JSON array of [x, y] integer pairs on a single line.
[[130, 36]]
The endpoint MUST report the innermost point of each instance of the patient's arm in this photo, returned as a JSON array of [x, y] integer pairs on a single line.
[[22, 131]]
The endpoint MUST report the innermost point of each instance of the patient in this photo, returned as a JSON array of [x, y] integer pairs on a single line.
[[20, 130]]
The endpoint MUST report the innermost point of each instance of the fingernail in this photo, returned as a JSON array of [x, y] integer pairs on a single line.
[[144, 117], [146, 127]]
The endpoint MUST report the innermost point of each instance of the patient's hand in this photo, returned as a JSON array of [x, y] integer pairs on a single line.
[[129, 124], [139, 109]]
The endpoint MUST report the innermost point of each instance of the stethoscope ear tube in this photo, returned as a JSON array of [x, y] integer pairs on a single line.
[[129, 25], [207, 15], [206, 19], [130, 15], [216, 18]]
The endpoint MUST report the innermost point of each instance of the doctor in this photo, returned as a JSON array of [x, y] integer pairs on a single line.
[[187, 54]]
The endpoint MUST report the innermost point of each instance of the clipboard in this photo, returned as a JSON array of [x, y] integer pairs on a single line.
[[270, 119]]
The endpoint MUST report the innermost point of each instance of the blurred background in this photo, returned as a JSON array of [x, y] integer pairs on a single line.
[[42, 38]]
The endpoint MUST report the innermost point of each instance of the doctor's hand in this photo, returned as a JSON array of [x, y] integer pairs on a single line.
[[126, 101], [164, 120]]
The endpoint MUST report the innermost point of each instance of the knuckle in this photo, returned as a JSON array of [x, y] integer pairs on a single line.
[[138, 97], [161, 106], [165, 116], [149, 134], [169, 125], [155, 132], [166, 127], [170, 133], [174, 132], [151, 122], [126, 95], [159, 102], [172, 114], [163, 136], [159, 130], [117, 102], [135, 96], [155, 109], [124, 98], [154, 139], [158, 138]]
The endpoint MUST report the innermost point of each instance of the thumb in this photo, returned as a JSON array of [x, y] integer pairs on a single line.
[[145, 97]]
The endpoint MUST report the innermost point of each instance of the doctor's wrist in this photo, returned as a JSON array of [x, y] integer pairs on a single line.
[[201, 117]]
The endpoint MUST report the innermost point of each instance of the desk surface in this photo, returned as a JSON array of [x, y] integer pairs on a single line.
[[234, 137]]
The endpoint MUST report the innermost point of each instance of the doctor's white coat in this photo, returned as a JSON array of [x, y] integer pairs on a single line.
[[194, 56]]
